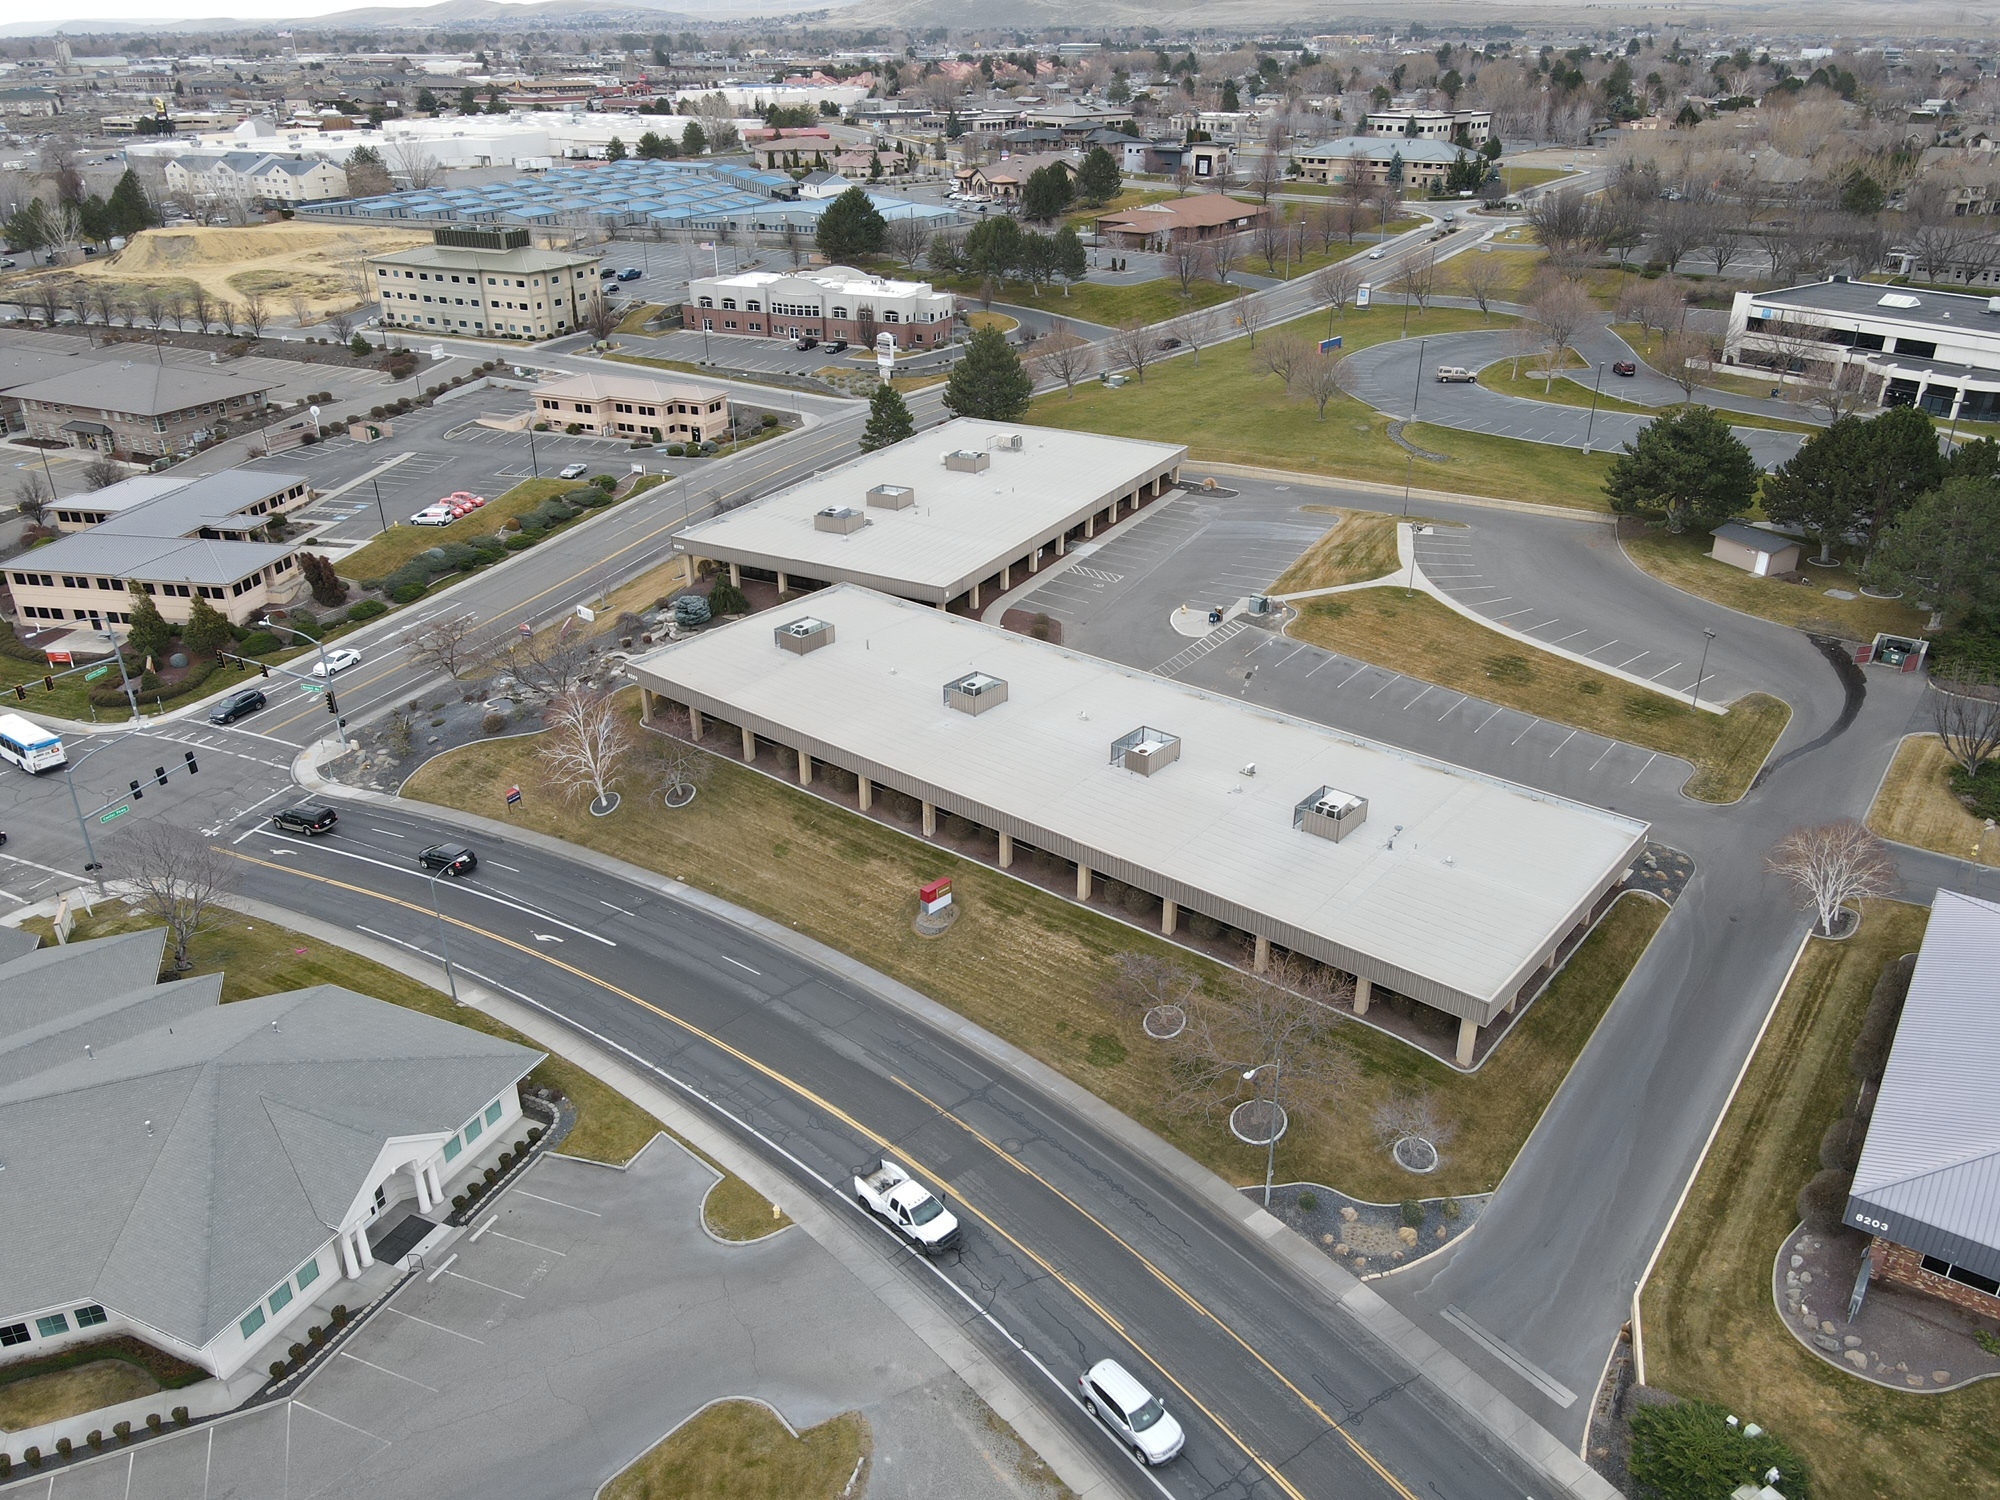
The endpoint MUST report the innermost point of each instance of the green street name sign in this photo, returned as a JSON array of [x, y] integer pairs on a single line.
[[116, 812], [96, 672], [312, 687]]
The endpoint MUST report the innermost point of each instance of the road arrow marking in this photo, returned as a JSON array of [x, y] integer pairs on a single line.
[[547, 937]]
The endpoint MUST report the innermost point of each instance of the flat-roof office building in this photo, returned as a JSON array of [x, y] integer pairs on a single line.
[[939, 516], [1454, 889]]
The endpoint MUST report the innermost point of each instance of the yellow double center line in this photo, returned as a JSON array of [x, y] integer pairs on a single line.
[[1396, 1486]]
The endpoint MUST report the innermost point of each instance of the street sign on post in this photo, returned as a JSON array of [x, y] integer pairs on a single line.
[[1327, 346], [1362, 293], [513, 795], [58, 658], [116, 812], [96, 672], [312, 687]]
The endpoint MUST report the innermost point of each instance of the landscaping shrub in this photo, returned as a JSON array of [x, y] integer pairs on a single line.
[[573, 428], [1308, 1202], [1840, 1147], [838, 780], [676, 450], [32, 1455], [408, 593], [457, 1202], [180, 1416], [1451, 1209], [725, 598], [690, 610], [1688, 1451], [95, 1438], [1138, 903], [63, 1447], [277, 1368], [905, 807], [367, 609], [534, 1134], [6, 1465], [506, 1160], [1413, 1214], [339, 1315], [153, 1422], [459, 554], [960, 828], [1203, 926], [769, 421], [123, 1431], [489, 1174], [297, 1352], [521, 542], [492, 723], [315, 1336], [1822, 1202], [110, 694], [1979, 790], [258, 642], [1870, 1054]]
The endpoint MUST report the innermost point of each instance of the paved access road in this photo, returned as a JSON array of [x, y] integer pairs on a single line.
[[1077, 1246]]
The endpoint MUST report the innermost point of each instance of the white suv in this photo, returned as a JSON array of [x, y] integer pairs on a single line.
[[1132, 1412]]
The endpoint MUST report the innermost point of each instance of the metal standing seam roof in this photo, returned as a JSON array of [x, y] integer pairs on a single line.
[[1483, 879], [1929, 1175], [199, 1152], [1754, 537], [962, 527], [1960, 311]]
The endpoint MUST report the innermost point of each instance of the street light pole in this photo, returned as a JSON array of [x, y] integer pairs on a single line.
[[533, 462], [1708, 639], [1276, 1065], [450, 979], [1589, 425], [1409, 446]]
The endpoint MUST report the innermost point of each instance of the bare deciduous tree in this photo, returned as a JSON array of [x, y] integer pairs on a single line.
[[175, 305], [1132, 347], [1418, 278], [1680, 352], [1199, 329], [177, 876], [1224, 252], [341, 321], [1965, 711], [32, 496], [1283, 355], [255, 313], [1833, 864], [1335, 286], [551, 662], [1405, 1117], [1287, 1019], [199, 307], [1062, 355], [907, 239], [1250, 313], [589, 739], [1187, 263], [445, 644], [1322, 376], [301, 309], [1150, 981], [1560, 312], [100, 473], [1479, 277]]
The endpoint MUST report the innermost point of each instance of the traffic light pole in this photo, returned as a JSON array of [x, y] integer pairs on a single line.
[[92, 865]]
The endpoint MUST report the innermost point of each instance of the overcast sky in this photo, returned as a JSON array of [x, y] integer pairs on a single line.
[[146, 12]]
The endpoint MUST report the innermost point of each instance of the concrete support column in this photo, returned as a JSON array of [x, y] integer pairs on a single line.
[[347, 1260], [1261, 960], [1363, 993], [930, 820], [1468, 1033], [867, 792], [749, 747], [1083, 882], [423, 1187], [1035, 559], [367, 1256], [1170, 917], [1006, 577], [694, 721], [437, 1183], [1006, 851], [1090, 524], [1508, 1008], [736, 575], [975, 596], [784, 583], [805, 768], [1062, 544], [645, 705]]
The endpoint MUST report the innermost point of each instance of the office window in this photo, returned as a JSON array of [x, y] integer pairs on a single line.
[[281, 1297], [472, 1130], [89, 1317], [493, 1112], [307, 1273], [55, 1325], [452, 1149], [252, 1321], [12, 1334]]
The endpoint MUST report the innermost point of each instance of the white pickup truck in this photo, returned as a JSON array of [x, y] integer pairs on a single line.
[[907, 1204]]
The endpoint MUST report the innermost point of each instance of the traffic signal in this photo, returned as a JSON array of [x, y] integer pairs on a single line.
[[20, 692], [263, 669], [193, 769], [160, 774], [331, 706], [136, 793], [49, 684]]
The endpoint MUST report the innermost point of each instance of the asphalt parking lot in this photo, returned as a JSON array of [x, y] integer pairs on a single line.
[[577, 1323]]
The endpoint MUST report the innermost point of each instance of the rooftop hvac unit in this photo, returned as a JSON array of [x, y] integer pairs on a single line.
[[840, 518], [1008, 442], [1146, 750], [1330, 814], [892, 497], [804, 634], [966, 461], [975, 692]]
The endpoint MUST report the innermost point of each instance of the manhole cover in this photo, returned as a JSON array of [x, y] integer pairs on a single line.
[[1011, 1146], [1165, 1022], [1258, 1122], [1415, 1154]]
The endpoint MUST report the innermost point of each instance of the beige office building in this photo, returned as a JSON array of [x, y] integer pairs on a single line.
[[485, 284], [629, 407]]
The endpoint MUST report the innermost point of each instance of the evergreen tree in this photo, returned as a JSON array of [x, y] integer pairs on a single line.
[[614, 149], [1230, 102], [694, 140], [427, 101], [1944, 549], [989, 381], [468, 101], [851, 226], [1047, 194], [206, 630], [1902, 462], [1098, 179], [130, 209], [1071, 262], [651, 147], [1823, 488], [1688, 465], [993, 248], [148, 632], [889, 420]]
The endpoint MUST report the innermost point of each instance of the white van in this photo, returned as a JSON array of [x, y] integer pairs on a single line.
[[29, 746], [1455, 375]]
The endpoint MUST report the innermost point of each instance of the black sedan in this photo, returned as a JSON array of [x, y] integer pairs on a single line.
[[449, 859]]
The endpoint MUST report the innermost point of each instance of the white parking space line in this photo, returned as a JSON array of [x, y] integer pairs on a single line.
[[318, 1413], [1526, 609], [524, 1193], [502, 1235], [1524, 733], [1605, 647], [1642, 770], [441, 1269], [438, 1326], [393, 1375], [1609, 747], [1463, 699], [1570, 637], [458, 1276], [1394, 677], [1351, 676], [1412, 703], [1661, 673], [1630, 659], [1566, 739], [1324, 661]]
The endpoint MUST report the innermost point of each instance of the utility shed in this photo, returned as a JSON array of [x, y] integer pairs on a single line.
[[1754, 550], [943, 514], [1928, 1183], [1450, 887]]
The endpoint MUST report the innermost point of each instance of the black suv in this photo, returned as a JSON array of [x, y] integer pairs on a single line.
[[450, 859], [309, 818], [236, 705]]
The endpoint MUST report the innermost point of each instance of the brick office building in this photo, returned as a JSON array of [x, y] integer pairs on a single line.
[[834, 302]]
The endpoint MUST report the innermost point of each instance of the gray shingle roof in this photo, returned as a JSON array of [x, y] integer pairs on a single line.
[[1755, 537], [1930, 1168], [200, 1152], [102, 552], [141, 388]]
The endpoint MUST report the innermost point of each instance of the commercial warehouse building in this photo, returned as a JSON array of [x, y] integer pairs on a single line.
[[834, 302], [1454, 889], [941, 515]]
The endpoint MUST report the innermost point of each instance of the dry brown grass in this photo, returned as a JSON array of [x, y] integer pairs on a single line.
[[1916, 805], [1711, 1331], [1414, 634], [1361, 546], [1683, 561], [738, 1450], [762, 844], [68, 1393]]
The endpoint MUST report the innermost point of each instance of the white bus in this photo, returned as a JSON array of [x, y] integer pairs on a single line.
[[28, 745]]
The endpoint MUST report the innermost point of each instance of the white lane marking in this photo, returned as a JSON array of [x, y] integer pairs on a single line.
[[385, 832], [547, 937], [470, 890], [739, 964], [619, 909], [390, 1373], [524, 1193], [498, 866], [438, 1326]]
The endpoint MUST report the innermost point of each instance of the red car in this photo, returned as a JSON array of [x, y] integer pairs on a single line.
[[1624, 367]]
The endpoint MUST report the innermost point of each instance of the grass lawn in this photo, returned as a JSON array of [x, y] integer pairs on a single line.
[[1516, 178], [1711, 1332], [259, 958], [1360, 546], [1083, 220], [1574, 390], [1228, 411], [1414, 634], [638, 315], [1683, 561], [1916, 806], [1520, 264], [758, 842], [1094, 302], [65, 1393], [402, 541], [71, 697], [737, 1450], [1000, 321], [1646, 344]]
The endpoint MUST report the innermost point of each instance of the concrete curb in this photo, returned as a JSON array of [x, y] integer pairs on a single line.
[[943, 1334], [1475, 1396]]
